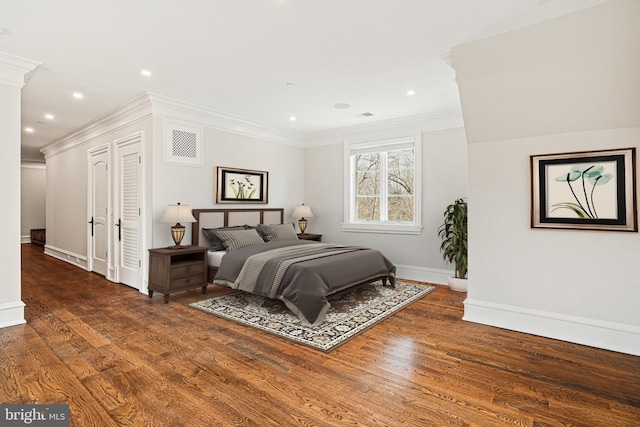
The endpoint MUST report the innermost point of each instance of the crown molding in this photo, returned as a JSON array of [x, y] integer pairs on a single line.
[[153, 105], [32, 165], [134, 110], [14, 68], [176, 109], [447, 119]]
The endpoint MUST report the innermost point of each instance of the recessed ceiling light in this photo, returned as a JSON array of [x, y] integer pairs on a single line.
[[411, 92], [145, 73], [78, 95], [49, 116], [30, 130], [292, 118], [342, 106]]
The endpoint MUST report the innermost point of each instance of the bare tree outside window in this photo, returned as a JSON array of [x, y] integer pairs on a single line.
[[400, 193], [368, 187], [385, 186]]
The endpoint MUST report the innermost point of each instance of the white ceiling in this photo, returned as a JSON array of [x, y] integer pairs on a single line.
[[262, 60]]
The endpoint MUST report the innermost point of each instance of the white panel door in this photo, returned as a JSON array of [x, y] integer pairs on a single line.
[[99, 210], [128, 226]]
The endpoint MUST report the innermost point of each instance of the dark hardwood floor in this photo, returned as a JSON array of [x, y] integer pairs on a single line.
[[119, 358]]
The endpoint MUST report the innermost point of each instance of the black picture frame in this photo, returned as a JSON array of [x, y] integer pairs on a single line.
[[589, 190]]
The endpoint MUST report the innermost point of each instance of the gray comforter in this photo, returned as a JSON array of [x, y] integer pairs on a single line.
[[301, 273]]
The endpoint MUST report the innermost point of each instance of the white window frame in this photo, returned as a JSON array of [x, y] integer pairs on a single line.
[[402, 138]]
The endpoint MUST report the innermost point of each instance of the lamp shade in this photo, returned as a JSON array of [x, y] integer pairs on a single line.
[[178, 213], [302, 211]]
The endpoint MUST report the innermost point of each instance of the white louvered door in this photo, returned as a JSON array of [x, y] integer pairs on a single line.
[[128, 223]]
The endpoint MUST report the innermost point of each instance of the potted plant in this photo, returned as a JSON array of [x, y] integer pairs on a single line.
[[453, 233]]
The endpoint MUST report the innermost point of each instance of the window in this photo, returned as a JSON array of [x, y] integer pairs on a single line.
[[383, 178]]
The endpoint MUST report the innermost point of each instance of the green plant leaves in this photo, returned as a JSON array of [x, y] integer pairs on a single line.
[[453, 233]]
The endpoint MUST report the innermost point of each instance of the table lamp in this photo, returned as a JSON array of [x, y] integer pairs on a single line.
[[177, 213], [302, 211]]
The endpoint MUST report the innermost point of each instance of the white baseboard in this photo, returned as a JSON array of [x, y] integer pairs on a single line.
[[25, 239], [11, 314], [64, 255], [422, 274], [613, 336]]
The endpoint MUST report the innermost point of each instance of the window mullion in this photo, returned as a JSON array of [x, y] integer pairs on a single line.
[[384, 216]]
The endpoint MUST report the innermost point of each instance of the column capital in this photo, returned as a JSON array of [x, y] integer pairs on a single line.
[[14, 68]]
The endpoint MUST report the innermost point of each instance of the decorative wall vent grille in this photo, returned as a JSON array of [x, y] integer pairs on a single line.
[[183, 144]]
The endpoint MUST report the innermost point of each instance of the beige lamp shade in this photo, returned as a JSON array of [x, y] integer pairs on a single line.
[[176, 214], [302, 211]]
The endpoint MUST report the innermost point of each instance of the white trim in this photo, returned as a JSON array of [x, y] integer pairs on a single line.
[[175, 109], [33, 165], [127, 114], [14, 68], [64, 255], [423, 274], [25, 239], [11, 314], [592, 332], [150, 104], [383, 228], [447, 119]]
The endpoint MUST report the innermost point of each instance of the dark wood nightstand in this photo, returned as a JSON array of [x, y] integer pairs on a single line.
[[306, 236], [174, 270]]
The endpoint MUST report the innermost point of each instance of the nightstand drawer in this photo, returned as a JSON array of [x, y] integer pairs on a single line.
[[187, 270], [187, 282]]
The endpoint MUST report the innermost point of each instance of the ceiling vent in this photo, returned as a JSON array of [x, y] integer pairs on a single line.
[[361, 115]]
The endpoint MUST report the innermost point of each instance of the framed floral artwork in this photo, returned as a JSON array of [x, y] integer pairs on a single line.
[[591, 190], [241, 186]]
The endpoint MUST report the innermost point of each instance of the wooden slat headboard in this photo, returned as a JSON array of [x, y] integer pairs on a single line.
[[215, 218]]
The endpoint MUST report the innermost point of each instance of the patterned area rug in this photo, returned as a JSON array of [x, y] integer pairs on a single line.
[[350, 313]]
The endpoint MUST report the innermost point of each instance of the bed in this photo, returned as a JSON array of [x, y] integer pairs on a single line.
[[252, 250]]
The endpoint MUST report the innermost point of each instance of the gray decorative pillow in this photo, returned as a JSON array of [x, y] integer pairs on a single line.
[[238, 239], [277, 232], [215, 243]]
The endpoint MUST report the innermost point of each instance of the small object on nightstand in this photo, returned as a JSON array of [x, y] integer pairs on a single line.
[[300, 212], [172, 271], [178, 213], [307, 236]]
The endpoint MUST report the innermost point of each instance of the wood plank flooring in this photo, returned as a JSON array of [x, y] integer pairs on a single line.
[[119, 358]]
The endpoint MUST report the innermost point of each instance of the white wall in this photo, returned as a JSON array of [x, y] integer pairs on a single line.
[[569, 84], [444, 178], [32, 198]]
